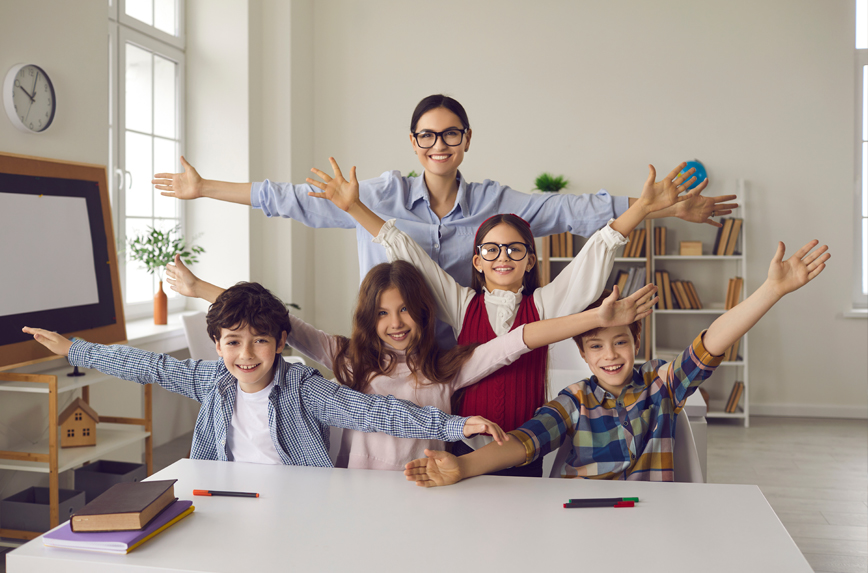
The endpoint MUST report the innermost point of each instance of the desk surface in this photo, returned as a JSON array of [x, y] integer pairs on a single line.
[[315, 519]]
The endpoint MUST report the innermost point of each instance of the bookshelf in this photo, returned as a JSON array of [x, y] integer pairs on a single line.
[[555, 255], [673, 328]]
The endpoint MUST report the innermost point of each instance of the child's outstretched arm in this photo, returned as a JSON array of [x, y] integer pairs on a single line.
[[345, 195], [51, 340], [612, 312], [184, 282], [442, 468], [784, 277]]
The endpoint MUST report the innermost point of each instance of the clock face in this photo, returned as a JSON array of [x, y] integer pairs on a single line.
[[29, 98]]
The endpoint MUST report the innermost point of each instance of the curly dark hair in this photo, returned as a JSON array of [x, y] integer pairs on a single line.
[[248, 304]]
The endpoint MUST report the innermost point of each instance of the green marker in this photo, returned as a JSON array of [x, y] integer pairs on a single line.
[[605, 499]]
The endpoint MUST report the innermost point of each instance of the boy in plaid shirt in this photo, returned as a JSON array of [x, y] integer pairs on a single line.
[[255, 407], [621, 421]]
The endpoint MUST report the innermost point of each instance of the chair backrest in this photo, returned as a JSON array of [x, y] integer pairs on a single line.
[[688, 468], [198, 342], [294, 360]]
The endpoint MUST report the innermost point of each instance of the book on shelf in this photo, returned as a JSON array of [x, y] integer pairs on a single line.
[[640, 243], [731, 354], [124, 506], [667, 291], [631, 242], [734, 397], [723, 236], [733, 237], [621, 280], [659, 241], [658, 280], [694, 296], [733, 292], [117, 542], [680, 295]]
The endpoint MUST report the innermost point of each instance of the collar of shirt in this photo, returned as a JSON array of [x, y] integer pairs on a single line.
[[419, 192]]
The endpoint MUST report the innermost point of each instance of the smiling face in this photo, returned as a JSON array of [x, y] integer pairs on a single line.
[[441, 160], [503, 273], [249, 356], [395, 326], [610, 353]]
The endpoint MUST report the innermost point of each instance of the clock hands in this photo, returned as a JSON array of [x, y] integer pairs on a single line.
[[25, 91]]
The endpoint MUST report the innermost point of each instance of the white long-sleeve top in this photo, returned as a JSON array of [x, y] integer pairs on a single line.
[[362, 450], [577, 286]]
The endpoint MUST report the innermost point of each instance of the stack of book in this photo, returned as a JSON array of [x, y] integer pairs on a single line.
[[659, 241], [727, 237], [561, 245], [630, 281], [122, 518], [635, 247], [733, 292], [676, 294], [734, 397]]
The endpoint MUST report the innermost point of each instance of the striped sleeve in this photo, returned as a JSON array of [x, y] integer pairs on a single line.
[[552, 425], [688, 370]]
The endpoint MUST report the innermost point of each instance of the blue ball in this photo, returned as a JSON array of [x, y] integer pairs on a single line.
[[700, 173]]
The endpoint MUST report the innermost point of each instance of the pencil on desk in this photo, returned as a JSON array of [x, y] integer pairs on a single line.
[[224, 493]]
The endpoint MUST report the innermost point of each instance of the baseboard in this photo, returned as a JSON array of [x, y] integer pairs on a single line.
[[808, 411]]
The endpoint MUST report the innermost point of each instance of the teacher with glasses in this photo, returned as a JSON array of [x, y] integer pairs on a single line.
[[440, 210]]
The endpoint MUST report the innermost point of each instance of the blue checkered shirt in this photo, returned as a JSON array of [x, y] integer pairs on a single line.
[[301, 406]]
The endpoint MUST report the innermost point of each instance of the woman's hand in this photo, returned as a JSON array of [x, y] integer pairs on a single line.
[[657, 195], [186, 185], [614, 312], [439, 468], [50, 340], [479, 425], [344, 194]]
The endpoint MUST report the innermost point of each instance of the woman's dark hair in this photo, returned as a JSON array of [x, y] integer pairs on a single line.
[[635, 326], [364, 355], [248, 304], [531, 277], [435, 101]]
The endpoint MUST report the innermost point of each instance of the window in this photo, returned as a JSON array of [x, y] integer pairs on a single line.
[[70, 433], [860, 247], [85, 432], [146, 122], [78, 416]]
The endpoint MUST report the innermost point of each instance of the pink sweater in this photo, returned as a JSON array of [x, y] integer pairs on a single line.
[[360, 450]]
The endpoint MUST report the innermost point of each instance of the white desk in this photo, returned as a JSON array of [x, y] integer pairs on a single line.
[[314, 519]]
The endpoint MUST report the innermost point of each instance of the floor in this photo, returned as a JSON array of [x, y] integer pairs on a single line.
[[814, 473]]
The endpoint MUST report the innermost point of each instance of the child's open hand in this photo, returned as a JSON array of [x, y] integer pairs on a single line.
[[336, 189], [181, 279], [785, 276], [186, 185], [50, 340], [614, 312], [439, 468], [699, 209], [479, 425], [657, 195]]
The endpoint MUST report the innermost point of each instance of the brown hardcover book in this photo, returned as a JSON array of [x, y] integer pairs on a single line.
[[563, 241], [717, 239], [640, 243], [658, 280], [689, 293], [733, 237], [691, 290], [730, 404], [656, 240], [724, 237], [667, 291], [621, 280], [631, 243], [729, 287], [569, 238], [739, 390], [663, 241], [681, 295], [125, 506]]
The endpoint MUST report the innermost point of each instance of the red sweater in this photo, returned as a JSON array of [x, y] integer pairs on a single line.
[[510, 396]]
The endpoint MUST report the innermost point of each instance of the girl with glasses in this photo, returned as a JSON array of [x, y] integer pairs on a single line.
[[505, 292], [440, 210]]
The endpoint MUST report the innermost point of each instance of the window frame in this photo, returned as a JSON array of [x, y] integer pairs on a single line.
[[859, 298]]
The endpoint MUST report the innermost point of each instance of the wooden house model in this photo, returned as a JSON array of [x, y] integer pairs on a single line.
[[78, 425]]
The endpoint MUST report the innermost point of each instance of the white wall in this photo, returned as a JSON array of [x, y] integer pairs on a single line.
[[596, 91]]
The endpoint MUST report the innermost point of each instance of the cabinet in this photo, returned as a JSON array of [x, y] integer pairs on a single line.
[[672, 330], [46, 456]]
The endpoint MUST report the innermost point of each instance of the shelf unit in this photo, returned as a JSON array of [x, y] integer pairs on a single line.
[[46, 456], [547, 272], [698, 268]]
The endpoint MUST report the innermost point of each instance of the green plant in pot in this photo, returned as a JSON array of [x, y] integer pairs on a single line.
[[551, 184], [154, 249]]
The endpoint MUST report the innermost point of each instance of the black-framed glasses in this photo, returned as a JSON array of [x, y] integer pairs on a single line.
[[451, 137], [515, 251]]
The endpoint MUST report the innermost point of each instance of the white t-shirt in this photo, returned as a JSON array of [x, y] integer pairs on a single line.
[[249, 435]]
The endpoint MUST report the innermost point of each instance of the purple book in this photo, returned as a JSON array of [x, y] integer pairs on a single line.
[[118, 542]]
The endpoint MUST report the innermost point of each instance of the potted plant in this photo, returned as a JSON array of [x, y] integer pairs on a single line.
[[548, 183], [154, 249]]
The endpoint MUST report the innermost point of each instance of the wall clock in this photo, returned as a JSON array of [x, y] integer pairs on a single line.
[[28, 96]]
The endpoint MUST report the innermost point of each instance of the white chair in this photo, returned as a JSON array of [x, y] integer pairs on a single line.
[[688, 468], [198, 342]]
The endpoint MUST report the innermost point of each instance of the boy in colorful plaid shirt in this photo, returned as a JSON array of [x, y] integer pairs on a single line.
[[622, 420], [256, 408]]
